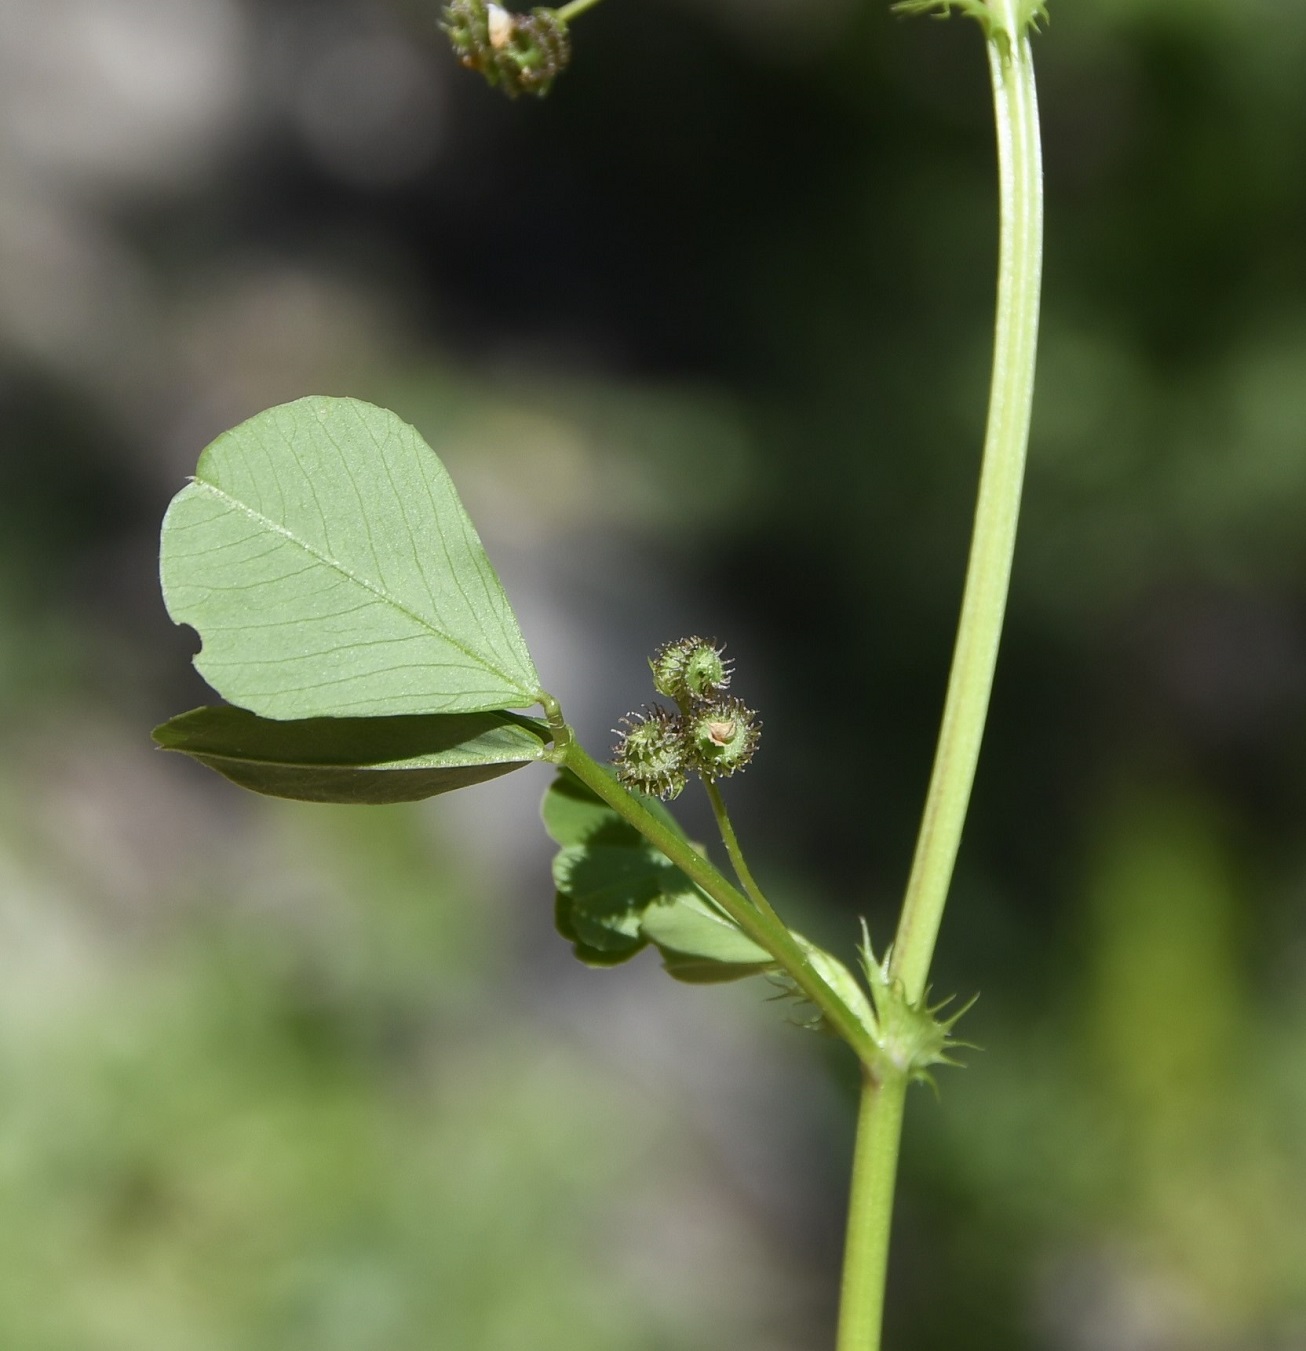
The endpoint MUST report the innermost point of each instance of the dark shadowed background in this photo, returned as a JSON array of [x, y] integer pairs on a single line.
[[703, 339]]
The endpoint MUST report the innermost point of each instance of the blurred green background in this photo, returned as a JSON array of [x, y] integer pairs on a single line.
[[704, 340]]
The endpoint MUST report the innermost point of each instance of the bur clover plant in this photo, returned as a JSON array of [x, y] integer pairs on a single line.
[[367, 653]]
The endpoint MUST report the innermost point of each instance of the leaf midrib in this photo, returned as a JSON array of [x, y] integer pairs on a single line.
[[381, 767], [278, 529]]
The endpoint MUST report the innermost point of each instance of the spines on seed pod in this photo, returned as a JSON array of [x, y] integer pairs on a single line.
[[691, 669], [650, 757], [721, 737], [519, 53]]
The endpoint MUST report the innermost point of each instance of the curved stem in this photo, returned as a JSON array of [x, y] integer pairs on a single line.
[[737, 860], [870, 1212], [993, 542], [974, 660], [574, 10], [762, 927]]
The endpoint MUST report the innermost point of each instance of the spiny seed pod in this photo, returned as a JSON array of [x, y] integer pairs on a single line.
[[720, 737], [650, 757], [522, 53], [690, 669]]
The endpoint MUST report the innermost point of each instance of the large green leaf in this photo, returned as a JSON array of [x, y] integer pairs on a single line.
[[356, 759], [324, 557]]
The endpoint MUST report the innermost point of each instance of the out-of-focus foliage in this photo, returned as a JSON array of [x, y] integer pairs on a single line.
[[1146, 1138], [303, 1122], [705, 338]]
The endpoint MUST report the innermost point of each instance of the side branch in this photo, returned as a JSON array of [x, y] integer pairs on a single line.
[[764, 928]]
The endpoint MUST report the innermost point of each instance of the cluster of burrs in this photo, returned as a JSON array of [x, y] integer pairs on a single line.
[[711, 734], [519, 53]]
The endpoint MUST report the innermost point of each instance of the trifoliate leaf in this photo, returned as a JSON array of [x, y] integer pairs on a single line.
[[616, 892], [700, 945], [609, 887], [572, 814], [372, 760], [606, 873], [613, 955], [323, 556]]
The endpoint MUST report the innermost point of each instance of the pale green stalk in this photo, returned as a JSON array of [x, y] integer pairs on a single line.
[[993, 542], [974, 659], [574, 10], [737, 860], [870, 1211]]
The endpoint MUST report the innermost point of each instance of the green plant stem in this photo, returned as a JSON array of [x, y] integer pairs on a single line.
[[737, 860], [993, 541], [574, 10], [970, 683], [870, 1211], [558, 726], [762, 927]]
